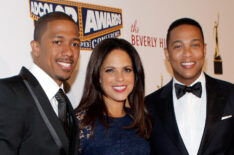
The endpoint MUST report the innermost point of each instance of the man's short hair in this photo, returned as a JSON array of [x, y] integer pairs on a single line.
[[183, 21], [40, 26]]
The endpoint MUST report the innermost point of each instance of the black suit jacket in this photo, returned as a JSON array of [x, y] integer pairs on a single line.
[[218, 136], [22, 129]]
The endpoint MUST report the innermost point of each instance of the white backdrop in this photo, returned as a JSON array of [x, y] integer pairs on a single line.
[[153, 18]]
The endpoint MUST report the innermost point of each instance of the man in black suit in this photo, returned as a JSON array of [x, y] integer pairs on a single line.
[[33, 119], [193, 113]]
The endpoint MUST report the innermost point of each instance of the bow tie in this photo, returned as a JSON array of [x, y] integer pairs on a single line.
[[196, 89]]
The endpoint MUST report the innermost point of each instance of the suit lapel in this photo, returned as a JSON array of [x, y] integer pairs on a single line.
[[73, 126], [46, 106], [216, 101], [167, 116]]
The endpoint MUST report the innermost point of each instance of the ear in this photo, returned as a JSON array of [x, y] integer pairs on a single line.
[[35, 45], [166, 53]]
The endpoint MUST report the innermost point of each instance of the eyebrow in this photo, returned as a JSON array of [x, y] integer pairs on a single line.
[[196, 40], [115, 67], [75, 38], [180, 41], [177, 41]]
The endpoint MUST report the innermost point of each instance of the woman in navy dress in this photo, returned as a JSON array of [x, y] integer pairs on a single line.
[[112, 116]]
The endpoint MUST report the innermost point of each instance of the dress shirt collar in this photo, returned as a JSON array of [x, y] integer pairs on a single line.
[[201, 79], [47, 83]]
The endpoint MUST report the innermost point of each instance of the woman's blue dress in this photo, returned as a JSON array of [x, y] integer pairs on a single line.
[[115, 141]]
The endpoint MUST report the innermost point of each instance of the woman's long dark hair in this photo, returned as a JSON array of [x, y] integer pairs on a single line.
[[92, 100]]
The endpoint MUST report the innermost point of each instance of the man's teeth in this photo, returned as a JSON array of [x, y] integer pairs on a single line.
[[120, 88], [187, 63], [64, 64]]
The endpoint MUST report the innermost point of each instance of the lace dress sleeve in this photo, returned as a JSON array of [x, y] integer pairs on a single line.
[[85, 132]]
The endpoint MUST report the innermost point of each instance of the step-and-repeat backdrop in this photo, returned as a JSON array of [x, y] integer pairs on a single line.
[[143, 23]]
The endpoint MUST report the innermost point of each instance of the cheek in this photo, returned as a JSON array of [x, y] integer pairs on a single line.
[[49, 54], [131, 87], [76, 53], [76, 56], [199, 56], [44, 57], [105, 86], [131, 81], [105, 80], [175, 59]]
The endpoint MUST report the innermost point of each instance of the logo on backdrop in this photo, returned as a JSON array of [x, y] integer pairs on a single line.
[[145, 40], [94, 22]]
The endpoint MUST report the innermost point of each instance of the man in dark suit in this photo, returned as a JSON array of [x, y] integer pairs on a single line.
[[193, 113], [34, 118]]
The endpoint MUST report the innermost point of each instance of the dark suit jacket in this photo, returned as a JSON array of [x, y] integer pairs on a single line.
[[218, 136], [22, 129]]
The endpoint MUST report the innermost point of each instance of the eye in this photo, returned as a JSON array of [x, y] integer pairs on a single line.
[[76, 44], [57, 42], [195, 45], [128, 69], [109, 70], [177, 47]]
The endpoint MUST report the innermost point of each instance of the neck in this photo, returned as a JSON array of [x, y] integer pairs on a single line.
[[114, 113], [188, 81], [114, 109]]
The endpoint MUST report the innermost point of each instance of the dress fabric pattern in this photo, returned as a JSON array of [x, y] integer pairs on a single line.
[[114, 141]]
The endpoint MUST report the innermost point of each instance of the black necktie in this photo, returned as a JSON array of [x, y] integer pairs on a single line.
[[196, 89], [63, 109]]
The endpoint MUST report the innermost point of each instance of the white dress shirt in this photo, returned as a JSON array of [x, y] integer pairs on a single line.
[[48, 84], [190, 113]]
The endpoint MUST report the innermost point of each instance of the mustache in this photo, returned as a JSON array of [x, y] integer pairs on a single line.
[[66, 59]]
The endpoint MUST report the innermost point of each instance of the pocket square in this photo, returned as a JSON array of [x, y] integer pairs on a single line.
[[226, 117]]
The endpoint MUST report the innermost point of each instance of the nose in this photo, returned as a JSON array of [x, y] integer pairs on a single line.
[[187, 52], [67, 50], [119, 76]]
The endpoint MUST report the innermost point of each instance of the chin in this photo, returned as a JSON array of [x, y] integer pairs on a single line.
[[120, 99], [63, 79]]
